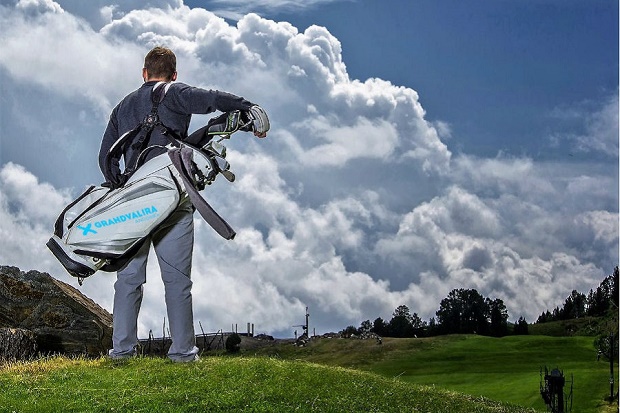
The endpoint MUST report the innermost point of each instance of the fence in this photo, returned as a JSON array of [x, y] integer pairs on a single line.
[[153, 346]]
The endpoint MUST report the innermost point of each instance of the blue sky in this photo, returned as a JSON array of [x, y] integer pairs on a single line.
[[416, 147], [495, 71]]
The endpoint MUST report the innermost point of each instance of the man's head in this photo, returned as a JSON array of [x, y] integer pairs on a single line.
[[160, 64]]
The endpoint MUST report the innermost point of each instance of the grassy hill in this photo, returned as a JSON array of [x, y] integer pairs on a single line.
[[506, 369], [459, 373], [219, 384]]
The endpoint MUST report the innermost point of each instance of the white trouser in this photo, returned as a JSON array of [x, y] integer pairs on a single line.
[[173, 242]]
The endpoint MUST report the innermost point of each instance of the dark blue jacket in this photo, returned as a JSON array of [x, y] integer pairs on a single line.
[[175, 112]]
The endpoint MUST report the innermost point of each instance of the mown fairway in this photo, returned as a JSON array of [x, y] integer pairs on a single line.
[[505, 369]]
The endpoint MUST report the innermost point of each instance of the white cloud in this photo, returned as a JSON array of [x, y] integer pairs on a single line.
[[35, 7], [372, 140], [463, 240], [28, 210], [24, 189], [602, 130], [598, 123], [61, 54], [236, 9]]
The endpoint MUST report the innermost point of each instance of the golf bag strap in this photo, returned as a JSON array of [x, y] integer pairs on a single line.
[[58, 226], [181, 159], [146, 128], [138, 138]]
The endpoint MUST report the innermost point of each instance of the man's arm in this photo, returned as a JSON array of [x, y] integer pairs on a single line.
[[109, 137], [193, 100]]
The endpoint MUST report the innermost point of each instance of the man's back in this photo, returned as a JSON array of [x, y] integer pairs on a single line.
[[174, 111]]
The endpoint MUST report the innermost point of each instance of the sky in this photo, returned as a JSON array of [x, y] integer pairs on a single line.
[[416, 147]]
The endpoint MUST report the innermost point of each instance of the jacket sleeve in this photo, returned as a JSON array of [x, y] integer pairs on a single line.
[[194, 100], [109, 137]]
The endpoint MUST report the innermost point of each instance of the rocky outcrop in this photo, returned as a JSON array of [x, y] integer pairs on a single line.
[[62, 318], [17, 344]]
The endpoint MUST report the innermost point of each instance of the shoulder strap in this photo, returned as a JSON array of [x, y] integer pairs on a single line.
[[149, 123], [138, 138]]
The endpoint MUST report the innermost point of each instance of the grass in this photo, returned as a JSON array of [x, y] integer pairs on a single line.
[[506, 369], [219, 384], [459, 373]]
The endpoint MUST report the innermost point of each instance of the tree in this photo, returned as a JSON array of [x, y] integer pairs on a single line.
[[614, 288], [419, 326], [365, 327], [574, 306], [463, 312], [604, 297], [498, 318], [348, 332], [379, 327], [597, 302], [402, 311], [449, 315], [401, 323], [544, 317], [608, 350], [521, 327], [432, 328]]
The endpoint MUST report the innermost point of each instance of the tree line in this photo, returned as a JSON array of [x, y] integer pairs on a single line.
[[466, 311], [596, 304]]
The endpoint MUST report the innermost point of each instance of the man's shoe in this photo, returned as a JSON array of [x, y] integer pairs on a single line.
[[187, 360]]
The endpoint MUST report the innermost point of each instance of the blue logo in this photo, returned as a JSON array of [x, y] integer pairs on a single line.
[[87, 229], [140, 215]]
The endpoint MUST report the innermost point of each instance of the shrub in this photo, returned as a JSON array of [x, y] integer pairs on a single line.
[[233, 343]]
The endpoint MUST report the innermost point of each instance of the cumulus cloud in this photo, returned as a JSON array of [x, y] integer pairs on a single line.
[[468, 242], [62, 50], [353, 205], [27, 207], [36, 7]]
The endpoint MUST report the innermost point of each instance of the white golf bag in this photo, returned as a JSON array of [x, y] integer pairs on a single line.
[[104, 227]]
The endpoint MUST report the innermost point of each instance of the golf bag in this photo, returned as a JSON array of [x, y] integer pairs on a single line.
[[104, 227]]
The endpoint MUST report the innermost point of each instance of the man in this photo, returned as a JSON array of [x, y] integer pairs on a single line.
[[174, 238]]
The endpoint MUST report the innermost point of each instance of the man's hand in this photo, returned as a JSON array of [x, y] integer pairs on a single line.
[[260, 121]]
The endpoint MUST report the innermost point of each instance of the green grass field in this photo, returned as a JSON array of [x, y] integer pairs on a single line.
[[446, 374], [219, 384], [506, 369]]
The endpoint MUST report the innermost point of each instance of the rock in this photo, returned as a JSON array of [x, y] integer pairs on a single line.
[[264, 337], [17, 344], [62, 318]]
